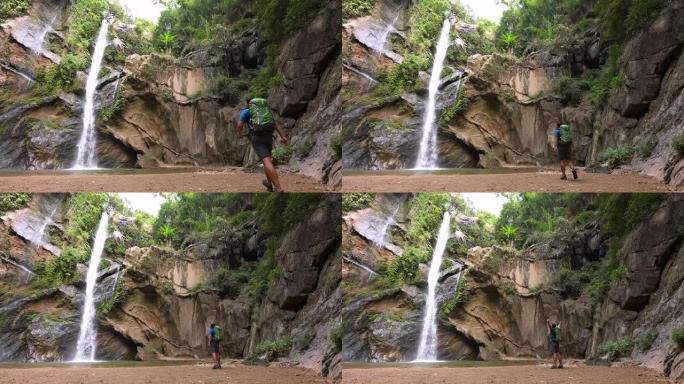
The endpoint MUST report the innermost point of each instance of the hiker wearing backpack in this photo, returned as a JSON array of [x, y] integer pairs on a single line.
[[554, 332], [260, 124], [214, 336], [563, 147]]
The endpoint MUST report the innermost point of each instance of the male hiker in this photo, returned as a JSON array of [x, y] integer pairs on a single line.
[[214, 336], [554, 330], [260, 127], [562, 145]]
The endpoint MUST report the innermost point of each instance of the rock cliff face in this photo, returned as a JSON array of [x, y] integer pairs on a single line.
[[167, 298], [508, 295], [509, 108], [168, 112]]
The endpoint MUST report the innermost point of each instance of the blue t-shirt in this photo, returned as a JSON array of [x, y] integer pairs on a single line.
[[557, 133], [246, 117], [212, 333]]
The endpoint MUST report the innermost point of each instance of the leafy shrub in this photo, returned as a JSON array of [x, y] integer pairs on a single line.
[[266, 271], [356, 201], [13, 201], [279, 347], [616, 348], [404, 269], [356, 8], [623, 18], [645, 148], [678, 144], [281, 155], [404, 76], [13, 8], [61, 77], [336, 145], [644, 340], [62, 269], [619, 155], [678, 337]]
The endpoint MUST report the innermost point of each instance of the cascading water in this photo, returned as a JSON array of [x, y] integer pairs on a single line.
[[86, 156], [427, 349], [381, 238], [427, 156], [382, 41], [359, 265], [39, 41], [39, 233], [86, 346]]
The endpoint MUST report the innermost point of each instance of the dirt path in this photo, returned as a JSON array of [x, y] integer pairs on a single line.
[[504, 375], [229, 180], [542, 181], [160, 375]]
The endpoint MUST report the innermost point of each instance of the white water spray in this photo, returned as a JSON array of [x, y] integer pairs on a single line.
[[87, 336], [86, 157], [14, 263], [360, 266], [39, 232], [427, 349], [427, 156]]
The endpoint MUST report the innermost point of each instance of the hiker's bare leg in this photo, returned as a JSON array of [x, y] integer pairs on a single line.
[[562, 167], [272, 174]]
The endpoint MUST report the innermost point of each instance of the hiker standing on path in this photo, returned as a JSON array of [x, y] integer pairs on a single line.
[[214, 337], [261, 124], [562, 145], [553, 330]]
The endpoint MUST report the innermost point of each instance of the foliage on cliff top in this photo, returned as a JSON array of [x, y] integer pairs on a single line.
[[190, 24]]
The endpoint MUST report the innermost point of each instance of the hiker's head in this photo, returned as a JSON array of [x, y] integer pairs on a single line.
[[212, 325], [554, 325], [248, 100]]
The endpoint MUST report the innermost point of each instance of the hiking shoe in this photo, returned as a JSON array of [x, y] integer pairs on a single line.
[[214, 367], [267, 184], [560, 366], [574, 176], [564, 177], [554, 367]]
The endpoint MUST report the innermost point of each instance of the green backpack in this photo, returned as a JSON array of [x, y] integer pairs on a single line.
[[565, 134], [557, 334], [218, 333], [262, 118]]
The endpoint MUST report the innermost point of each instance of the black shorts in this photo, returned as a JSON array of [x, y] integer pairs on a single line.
[[262, 144], [554, 347], [214, 346], [565, 151]]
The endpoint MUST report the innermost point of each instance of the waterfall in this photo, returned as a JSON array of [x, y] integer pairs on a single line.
[[17, 72], [39, 232], [382, 41], [381, 236], [14, 263], [361, 266], [86, 157], [427, 349], [85, 348], [427, 156]]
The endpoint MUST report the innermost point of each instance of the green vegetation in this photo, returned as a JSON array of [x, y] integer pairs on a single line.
[[61, 77], [404, 76], [13, 8], [13, 201], [109, 112], [678, 144], [459, 106], [281, 155], [457, 300], [644, 340], [115, 300], [279, 347], [624, 18], [356, 201], [284, 211], [616, 348], [336, 338], [678, 337], [356, 8]]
